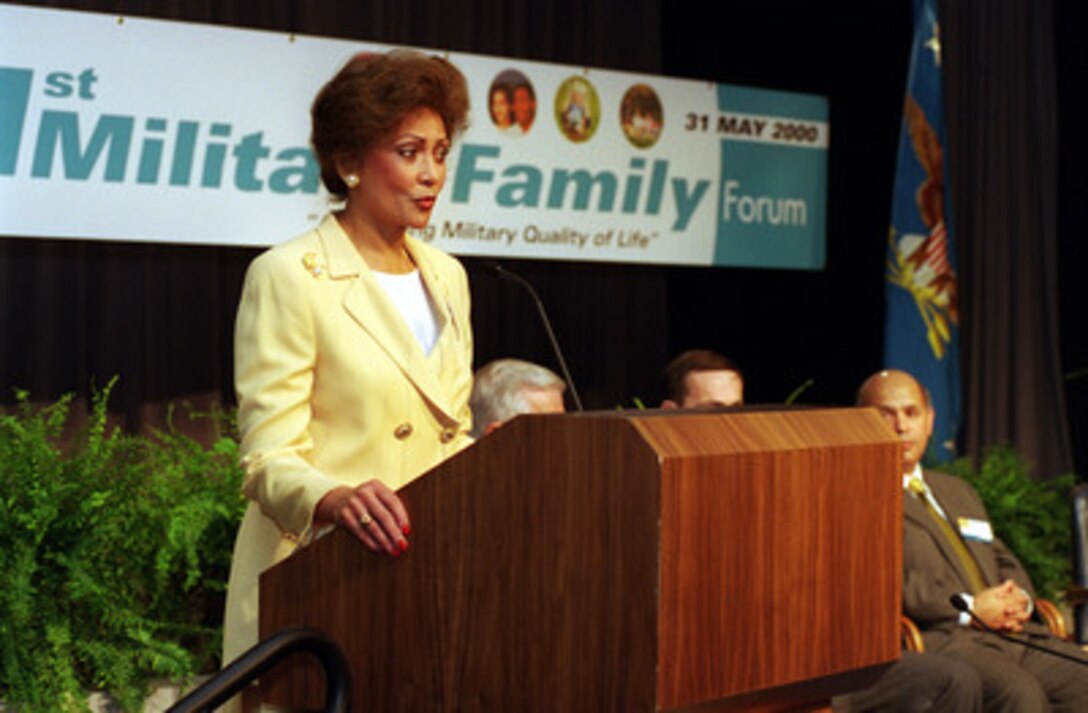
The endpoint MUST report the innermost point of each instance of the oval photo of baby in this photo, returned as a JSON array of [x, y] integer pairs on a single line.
[[577, 109]]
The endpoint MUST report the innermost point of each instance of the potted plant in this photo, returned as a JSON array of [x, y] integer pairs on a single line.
[[114, 558], [1033, 517]]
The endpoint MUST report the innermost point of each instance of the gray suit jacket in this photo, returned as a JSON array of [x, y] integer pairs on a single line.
[[932, 572]]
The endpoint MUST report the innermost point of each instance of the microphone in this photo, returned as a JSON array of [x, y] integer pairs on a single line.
[[514, 277], [960, 604]]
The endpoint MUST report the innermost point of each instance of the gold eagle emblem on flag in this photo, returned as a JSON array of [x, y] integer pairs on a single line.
[[919, 263]]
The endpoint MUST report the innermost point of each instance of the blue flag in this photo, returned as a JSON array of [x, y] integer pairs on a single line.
[[921, 325]]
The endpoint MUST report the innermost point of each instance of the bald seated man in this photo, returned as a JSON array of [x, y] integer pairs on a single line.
[[506, 388], [700, 378], [949, 548]]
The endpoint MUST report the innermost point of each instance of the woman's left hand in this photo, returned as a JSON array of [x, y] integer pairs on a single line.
[[372, 512]]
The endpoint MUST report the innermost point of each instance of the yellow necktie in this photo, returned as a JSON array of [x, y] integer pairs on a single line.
[[970, 565]]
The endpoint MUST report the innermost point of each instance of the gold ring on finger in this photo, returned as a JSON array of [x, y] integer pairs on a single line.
[[365, 519]]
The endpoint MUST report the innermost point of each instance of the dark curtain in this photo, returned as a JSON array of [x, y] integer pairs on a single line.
[[605, 33], [75, 313], [1003, 137], [1070, 17]]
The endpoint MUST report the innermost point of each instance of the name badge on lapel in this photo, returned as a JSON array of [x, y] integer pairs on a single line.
[[978, 530]]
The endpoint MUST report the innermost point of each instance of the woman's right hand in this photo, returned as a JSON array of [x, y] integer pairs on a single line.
[[371, 511]]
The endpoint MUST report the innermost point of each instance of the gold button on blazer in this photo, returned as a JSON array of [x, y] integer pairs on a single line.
[[328, 376]]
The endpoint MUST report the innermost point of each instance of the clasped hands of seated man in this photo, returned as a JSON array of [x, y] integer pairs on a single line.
[[1005, 607], [371, 511]]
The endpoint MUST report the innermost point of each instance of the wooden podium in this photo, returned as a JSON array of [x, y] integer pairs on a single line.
[[620, 561]]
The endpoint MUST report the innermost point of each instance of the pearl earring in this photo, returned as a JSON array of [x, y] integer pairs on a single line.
[[352, 180]]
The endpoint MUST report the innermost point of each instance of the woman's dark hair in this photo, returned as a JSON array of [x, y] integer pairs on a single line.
[[371, 95]]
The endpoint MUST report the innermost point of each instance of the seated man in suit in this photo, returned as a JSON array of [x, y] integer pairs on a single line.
[[702, 378], [949, 549], [505, 388]]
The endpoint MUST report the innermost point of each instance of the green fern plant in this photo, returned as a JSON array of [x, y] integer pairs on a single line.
[[1033, 517], [115, 555]]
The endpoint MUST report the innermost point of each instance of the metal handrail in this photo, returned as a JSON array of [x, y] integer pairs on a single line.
[[259, 659]]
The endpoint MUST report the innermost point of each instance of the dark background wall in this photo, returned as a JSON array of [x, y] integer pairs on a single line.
[[161, 316], [1072, 59]]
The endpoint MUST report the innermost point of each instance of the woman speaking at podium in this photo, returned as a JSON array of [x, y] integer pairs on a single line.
[[353, 349]]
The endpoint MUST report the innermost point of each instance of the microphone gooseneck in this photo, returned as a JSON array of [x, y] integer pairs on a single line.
[[506, 274]]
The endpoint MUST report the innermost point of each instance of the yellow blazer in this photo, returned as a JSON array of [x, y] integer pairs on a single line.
[[333, 389]]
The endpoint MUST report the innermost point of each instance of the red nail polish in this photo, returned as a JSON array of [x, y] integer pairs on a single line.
[[406, 529], [403, 546]]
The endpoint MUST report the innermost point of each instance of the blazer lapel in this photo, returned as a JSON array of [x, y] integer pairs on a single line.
[[371, 308]]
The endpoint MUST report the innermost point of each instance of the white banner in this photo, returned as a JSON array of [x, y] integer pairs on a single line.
[[145, 130]]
